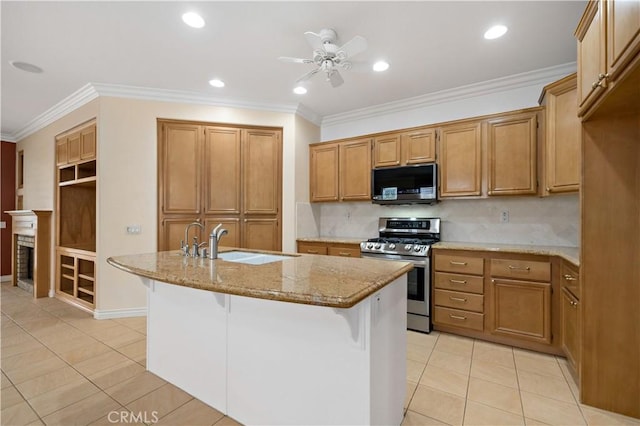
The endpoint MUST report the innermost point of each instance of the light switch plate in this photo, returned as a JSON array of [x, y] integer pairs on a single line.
[[3, 224], [133, 229]]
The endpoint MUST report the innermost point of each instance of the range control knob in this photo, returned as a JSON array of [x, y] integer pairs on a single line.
[[378, 246], [392, 246], [369, 245], [407, 247], [417, 248]]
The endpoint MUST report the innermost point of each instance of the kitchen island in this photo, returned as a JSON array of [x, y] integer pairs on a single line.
[[303, 339]]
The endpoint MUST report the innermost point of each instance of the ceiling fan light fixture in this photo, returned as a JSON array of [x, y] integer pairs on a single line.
[[381, 66], [299, 90], [496, 31], [216, 82], [193, 20]]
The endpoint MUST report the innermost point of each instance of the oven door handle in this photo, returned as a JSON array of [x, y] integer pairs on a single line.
[[419, 263]]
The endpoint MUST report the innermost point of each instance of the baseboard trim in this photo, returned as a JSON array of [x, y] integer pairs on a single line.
[[119, 313], [4, 278]]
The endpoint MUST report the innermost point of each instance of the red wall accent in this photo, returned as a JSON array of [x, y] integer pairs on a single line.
[[7, 201]]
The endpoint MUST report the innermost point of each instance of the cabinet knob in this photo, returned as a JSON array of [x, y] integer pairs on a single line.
[[596, 84], [602, 76]]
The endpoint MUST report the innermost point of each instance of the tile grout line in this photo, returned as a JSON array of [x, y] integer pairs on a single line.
[[571, 391]]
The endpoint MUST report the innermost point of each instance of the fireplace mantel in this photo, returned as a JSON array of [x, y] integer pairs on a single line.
[[36, 224]]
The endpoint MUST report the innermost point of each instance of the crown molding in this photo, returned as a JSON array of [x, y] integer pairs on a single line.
[[6, 137], [309, 114], [72, 102], [541, 76]]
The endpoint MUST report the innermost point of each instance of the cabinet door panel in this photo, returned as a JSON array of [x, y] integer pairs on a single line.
[[386, 151], [512, 155], [591, 57], [262, 159], [62, 152], [563, 142], [222, 170], [180, 154], [312, 248], [419, 146], [324, 179], [355, 170], [261, 234], [73, 147], [522, 309], [88, 143], [570, 330], [623, 34], [231, 224], [460, 160]]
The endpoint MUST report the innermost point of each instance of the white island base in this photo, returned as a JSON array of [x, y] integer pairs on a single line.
[[268, 362]]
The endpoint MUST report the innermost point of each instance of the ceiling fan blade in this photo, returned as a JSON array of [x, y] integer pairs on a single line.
[[313, 39], [295, 60], [354, 46], [308, 75], [335, 78], [358, 66]]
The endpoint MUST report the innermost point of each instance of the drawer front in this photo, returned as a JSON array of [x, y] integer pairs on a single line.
[[521, 269], [571, 280], [459, 300], [312, 248], [460, 264], [458, 318], [343, 251], [456, 282]]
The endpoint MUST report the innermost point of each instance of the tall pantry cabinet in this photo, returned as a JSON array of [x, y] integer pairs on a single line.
[[213, 174], [76, 180]]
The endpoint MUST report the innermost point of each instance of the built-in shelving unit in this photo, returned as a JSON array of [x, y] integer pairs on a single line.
[[76, 215]]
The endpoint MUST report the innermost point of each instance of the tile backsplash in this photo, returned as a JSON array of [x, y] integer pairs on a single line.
[[552, 221]]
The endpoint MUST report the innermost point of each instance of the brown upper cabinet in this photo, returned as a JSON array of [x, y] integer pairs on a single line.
[[512, 152], [460, 160], [341, 171], [405, 148], [214, 174], [608, 39], [563, 136], [76, 146]]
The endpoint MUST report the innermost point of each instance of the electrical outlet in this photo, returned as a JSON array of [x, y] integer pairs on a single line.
[[504, 216], [3, 224], [133, 229]]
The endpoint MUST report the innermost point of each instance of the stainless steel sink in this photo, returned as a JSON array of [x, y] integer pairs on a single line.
[[251, 258]]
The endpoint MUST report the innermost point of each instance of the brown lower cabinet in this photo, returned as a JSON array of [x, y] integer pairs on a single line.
[[506, 298], [329, 248]]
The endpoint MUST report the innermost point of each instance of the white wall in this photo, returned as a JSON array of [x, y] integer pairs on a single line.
[[127, 150]]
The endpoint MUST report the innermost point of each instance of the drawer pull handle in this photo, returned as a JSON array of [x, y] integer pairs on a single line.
[[519, 268], [568, 277], [458, 317], [458, 299], [312, 251], [344, 254], [458, 263], [463, 282]]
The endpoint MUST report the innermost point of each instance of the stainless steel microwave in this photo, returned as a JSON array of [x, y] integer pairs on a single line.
[[405, 185]]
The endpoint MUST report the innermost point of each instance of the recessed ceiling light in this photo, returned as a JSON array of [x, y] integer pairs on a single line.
[[381, 66], [25, 66], [495, 32], [193, 20], [216, 82], [299, 90]]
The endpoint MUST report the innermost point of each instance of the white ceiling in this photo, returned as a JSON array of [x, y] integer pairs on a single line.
[[431, 46]]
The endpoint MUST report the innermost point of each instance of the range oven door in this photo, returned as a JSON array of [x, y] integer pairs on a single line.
[[418, 289]]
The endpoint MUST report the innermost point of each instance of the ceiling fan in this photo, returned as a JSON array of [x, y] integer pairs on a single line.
[[327, 56]]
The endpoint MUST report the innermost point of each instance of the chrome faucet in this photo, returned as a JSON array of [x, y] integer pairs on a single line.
[[184, 244], [214, 238]]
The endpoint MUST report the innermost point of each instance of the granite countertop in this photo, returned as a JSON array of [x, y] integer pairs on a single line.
[[303, 278], [337, 240], [570, 254]]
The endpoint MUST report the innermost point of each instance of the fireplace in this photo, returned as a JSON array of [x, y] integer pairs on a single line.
[[25, 256], [31, 254]]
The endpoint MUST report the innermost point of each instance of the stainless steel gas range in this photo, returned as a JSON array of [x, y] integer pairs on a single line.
[[409, 239]]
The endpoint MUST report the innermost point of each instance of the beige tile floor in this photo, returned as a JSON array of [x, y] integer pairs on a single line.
[[62, 367]]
